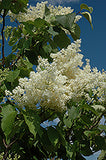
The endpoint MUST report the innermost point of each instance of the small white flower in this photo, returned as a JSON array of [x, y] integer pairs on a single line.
[[77, 18]]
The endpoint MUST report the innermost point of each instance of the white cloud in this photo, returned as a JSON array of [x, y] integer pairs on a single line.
[[60, 2]]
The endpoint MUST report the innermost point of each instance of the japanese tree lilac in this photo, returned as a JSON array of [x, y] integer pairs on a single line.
[[55, 83]]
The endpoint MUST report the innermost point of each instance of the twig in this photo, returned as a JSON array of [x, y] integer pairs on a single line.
[[78, 12], [15, 61]]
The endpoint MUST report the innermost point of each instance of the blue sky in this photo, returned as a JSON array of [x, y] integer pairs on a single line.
[[94, 41]]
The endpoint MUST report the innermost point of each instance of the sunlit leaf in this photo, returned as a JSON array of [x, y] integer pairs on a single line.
[[47, 48], [66, 20], [8, 114], [84, 6], [33, 122], [12, 75], [88, 17]]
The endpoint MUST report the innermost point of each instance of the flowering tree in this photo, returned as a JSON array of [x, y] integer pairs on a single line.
[[55, 111]]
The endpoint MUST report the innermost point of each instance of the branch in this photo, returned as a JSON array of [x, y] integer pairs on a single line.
[[7, 146], [2, 33]]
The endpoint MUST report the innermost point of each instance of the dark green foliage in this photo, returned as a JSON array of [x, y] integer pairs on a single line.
[[14, 5]]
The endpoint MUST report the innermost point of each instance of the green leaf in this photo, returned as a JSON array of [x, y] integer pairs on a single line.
[[29, 25], [73, 113], [47, 11], [88, 17], [86, 149], [91, 133], [27, 43], [24, 72], [39, 23], [35, 158], [89, 108], [100, 142], [20, 44], [67, 122], [102, 127], [61, 40], [66, 20], [7, 32], [8, 113], [102, 155], [18, 6], [86, 120], [14, 48], [33, 122], [53, 135], [52, 32], [12, 41], [6, 4], [9, 59], [18, 32], [75, 31], [12, 75], [47, 48], [28, 64], [84, 6], [47, 145], [90, 9]]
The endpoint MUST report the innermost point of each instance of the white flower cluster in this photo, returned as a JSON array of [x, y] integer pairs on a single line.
[[55, 83], [33, 12]]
